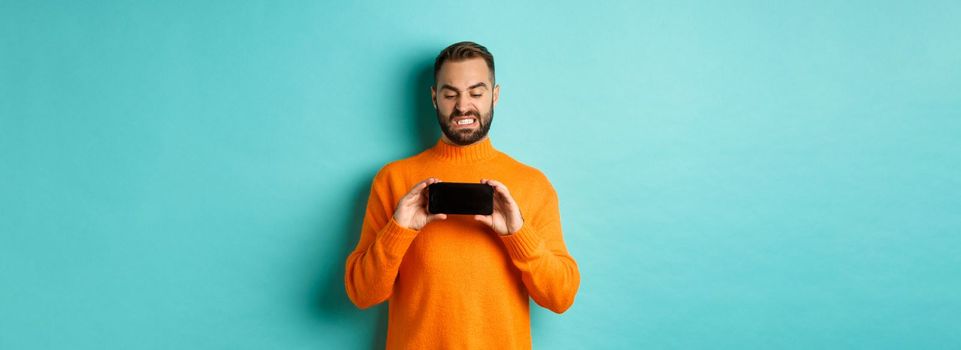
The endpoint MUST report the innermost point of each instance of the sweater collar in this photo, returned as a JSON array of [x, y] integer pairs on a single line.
[[478, 151]]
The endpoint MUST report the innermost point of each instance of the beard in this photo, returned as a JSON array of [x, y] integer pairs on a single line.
[[464, 137]]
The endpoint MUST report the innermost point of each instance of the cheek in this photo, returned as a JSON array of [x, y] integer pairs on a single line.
[[446, 106], [445, 109]]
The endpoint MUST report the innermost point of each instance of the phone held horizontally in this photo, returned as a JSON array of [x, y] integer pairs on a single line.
[[460, 198]]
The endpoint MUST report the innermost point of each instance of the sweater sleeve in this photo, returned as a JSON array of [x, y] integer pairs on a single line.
[[538, 251], [373, 265]]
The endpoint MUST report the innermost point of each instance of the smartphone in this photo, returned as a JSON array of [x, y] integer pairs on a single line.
[[460, 198]]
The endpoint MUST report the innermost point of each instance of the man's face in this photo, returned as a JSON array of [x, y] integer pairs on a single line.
[[464, 99]]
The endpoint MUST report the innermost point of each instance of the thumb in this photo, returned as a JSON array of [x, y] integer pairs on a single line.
[[486, 219], [436, 217]]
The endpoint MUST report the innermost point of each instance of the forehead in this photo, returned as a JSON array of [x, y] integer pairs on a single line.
[[462, 74]]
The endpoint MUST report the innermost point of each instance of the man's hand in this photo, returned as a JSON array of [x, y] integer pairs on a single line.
[[506, 218], [411, 210]]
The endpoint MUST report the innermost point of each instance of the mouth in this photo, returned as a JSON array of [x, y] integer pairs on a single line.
[[465, 122]]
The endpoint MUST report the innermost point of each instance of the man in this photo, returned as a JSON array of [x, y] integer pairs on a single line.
[[461, 281]]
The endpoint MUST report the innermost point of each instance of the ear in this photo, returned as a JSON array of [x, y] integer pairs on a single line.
[[497, 93], [433, 96]]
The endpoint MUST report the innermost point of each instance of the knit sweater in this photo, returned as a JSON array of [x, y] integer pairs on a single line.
[[455, 283]]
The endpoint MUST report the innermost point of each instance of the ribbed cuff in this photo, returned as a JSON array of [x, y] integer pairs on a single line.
[[522, 244], [396, 238]]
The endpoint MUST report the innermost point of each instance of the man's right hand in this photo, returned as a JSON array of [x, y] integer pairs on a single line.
[[412, 208]]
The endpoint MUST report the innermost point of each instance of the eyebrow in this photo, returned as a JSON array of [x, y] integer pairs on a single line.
[[481, 84]]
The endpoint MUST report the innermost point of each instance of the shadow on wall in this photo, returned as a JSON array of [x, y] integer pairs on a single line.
[[423, 117], [423, 133], [333, 301]]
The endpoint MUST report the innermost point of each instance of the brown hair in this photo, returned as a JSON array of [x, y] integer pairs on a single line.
[[462, 51]]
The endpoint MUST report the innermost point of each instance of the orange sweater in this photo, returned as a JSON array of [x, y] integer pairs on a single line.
[[457, 284]]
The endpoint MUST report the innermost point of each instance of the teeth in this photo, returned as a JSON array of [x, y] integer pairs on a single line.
[[465, 121]]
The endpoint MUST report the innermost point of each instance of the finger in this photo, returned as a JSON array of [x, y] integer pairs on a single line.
[[436, 217], [503, 193], [502, 197], [500, 187], [486, 219], [425, 191], [500, 205], [418, 187], [506, 202], [431, 181]]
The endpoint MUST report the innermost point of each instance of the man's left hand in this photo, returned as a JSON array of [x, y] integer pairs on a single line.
[[506, 218]]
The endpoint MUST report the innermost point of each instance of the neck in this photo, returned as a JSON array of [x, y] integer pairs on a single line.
[[449, 142]]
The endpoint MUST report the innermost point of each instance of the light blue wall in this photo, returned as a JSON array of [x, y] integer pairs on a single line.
[[746, 175]]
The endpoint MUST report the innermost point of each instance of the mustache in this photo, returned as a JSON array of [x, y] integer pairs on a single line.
[[455, 114]]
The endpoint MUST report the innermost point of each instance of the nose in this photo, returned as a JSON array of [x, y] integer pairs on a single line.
[[462, 106]]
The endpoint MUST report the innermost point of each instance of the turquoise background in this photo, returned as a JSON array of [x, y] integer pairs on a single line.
[[745, 175]]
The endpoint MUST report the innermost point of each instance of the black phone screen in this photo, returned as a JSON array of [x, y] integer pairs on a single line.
[[460, 198]]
